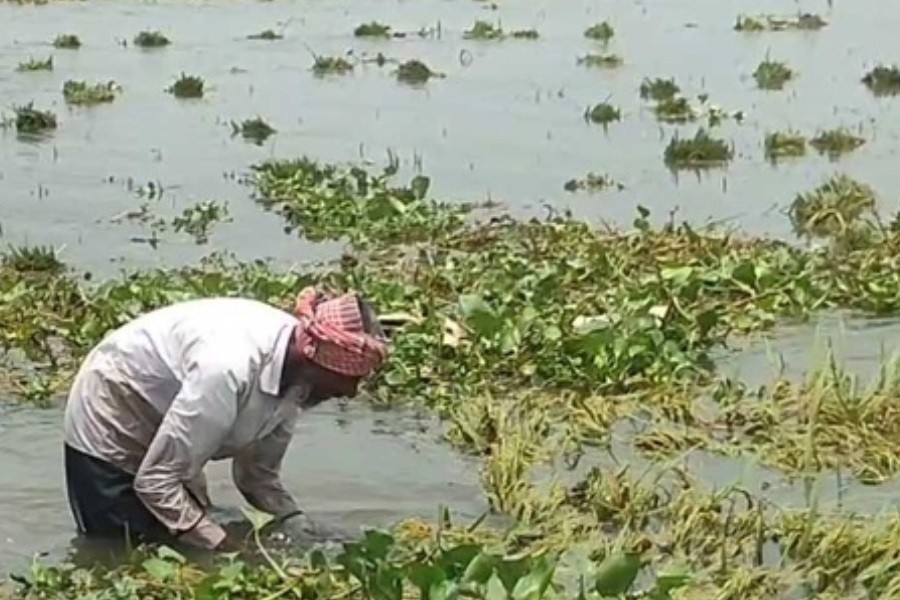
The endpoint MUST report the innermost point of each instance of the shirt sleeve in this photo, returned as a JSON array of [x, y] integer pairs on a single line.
[[256, 471], [198, 420]]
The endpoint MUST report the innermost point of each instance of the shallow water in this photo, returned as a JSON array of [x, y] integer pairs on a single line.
[[507, 121], [351, 467]]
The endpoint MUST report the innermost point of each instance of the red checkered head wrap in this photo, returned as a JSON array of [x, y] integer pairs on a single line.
[[332, 335]]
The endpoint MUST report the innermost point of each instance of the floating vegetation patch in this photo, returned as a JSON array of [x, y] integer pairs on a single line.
[[187, 86], [836, 142], [415, 72], [603, 114], [255, 130], [483, 30], [198, 220], [266, 34], [373, 29], [772, 75], [331, 65], [658, 89], [36, 65], [593, 182], [675, 109], [30, 120], [602, 61], [67, 42], [883, 80], [151, 39], [525, 34], [786, 144], [601, 32], [701, 151], [85, 94], [834, 209], [801, 22]]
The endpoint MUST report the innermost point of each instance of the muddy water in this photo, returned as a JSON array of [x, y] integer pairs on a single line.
[[507, 121], [352, 467]]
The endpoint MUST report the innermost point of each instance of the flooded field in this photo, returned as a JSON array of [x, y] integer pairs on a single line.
[[671, 397]]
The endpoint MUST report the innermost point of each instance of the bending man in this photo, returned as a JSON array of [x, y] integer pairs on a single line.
[[205, 380]]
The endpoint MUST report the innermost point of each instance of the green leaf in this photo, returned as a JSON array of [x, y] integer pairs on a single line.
[[669, 580], [495, 589], [480, 569], [167, 553], [258, 519], [533, 585], [425, 577], [159, 569], [377, 543], [706, 321], [616, 574], [745, 273], [455, 560], [445, 590], [479, 315], [511, 571], [677, 275]]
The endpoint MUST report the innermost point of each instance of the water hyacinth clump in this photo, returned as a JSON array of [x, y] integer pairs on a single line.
[[30, 120], [331, 65], [675, 109], [85, 94], [833, 208], [780, 144], [187, 87], [483, 30], [701, 151], [151, 39], [772, 75], [658, 89], [67, 42], [836, 142], [883, 80], [36, 65], [593, 182]]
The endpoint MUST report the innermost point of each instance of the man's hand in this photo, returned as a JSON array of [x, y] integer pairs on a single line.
[[303, 531]]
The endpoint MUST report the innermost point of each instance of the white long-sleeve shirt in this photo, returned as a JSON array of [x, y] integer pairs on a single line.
[[182, 385]]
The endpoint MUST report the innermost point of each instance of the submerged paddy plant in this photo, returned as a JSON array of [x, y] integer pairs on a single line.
[[33, 64], [525, 34], [658, 89], [30, 120], [255, 130], [603, 61], [675, 109], [199, 219], [331, 65], [373, 29], [67, 42], [266, 34], [883, 80], [593, 182], [699, 152], [836, 142], [187, 86], [85, 94], [151, 39], [483, 30], [415, 72], [772, 75], [603, 114], [783, 144], [601, 32], [800, 22]]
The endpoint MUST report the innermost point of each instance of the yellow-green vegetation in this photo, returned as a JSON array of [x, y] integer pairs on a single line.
[[593, 182], [33, 64], [836, 142], [415, 72], [701, 151], [483, 30], [772, 75], [373, 29], [187, 86], [266, 34], [30, 120], [67, 42], [331, 65], [883, 80], [603, 61], [601, 32], [151, 39], [255, 130], [784, 144], [801, 22], [86, 94], [603, 114]]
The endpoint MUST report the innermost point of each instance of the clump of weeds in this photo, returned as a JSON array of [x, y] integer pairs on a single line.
[[601, 32], [187, 86], [151, 39], [482, 30], [36, 65], [802, 22], [30, 120], [268, 35], [525, 34], [67, 42], [85, 94], [883, 80], [658, 89], [372, 30], [254, 130], [780, 144], [675, 109], [331, 65], [698, 152], [832, 209], [603, 114], [772, 75], [593, 182], [415, 72], [836, 142], [602, 61], [198, 220]]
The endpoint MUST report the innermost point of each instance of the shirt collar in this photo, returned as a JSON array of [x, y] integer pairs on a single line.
[[270, 375]]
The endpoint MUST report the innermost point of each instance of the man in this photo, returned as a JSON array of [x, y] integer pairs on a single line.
[[205, 380]]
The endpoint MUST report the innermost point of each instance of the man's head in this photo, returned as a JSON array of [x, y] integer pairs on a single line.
[[336, 344]]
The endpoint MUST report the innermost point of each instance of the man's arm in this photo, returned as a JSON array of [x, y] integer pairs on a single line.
[[256, 471], [192, 430]]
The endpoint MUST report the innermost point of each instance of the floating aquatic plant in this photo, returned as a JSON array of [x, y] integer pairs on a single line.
[[603, 61], [525, 34], [883, 80], [67, 42], [780, 144], [151, 39], [266, 34], [483, 30], [700, 151], [601, 32], [373, 29], [675, 109], [833, 208], [772, 75], [415, 72], [187, 86], [603, 114], [36, 65], [199, 219], [593, 182], [30, 120], [331, 65], [255, 130], [836, 142], [83, 93], [803, 21], [658, 89]]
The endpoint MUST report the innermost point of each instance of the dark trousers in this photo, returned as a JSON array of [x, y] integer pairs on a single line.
[[104, 503]]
